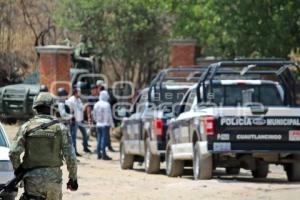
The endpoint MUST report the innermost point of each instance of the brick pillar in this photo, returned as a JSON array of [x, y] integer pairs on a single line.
[[183, 52], [54, 66]]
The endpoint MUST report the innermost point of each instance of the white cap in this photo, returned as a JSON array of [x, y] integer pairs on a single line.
[[99, 82]]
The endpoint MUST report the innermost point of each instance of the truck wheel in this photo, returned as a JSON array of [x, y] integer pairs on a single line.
[[293, 170], [174, 168], [152, 162], [232, 170], [262, 169], [202, 162], [126, 160]]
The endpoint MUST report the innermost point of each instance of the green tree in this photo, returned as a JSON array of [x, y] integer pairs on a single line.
[[130, 33], [239, 28]]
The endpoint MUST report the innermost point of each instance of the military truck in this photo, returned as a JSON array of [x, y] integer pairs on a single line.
[[16, 100], [243, 117]]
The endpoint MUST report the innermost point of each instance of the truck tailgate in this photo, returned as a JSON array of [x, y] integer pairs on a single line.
[[256, 134]]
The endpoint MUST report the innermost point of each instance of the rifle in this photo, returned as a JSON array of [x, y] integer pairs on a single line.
[[11, 186]]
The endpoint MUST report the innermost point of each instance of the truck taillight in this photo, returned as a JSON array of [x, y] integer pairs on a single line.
[[158, 126], [209, 125]]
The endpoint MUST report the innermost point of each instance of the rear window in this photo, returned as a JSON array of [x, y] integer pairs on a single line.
[[169, 96], [2, 139], [235, 95]]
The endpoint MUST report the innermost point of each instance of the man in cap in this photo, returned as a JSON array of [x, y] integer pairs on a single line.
[[46, 143], [92, 100]]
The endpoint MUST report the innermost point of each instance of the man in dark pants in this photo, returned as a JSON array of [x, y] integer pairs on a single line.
[[101, 88], [92, 100], [103, 117]]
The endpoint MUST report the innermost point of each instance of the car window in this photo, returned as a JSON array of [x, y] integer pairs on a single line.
[[182, 105], [2, 139], [189, 101], [232, 95], [33, 78], [140, 103]]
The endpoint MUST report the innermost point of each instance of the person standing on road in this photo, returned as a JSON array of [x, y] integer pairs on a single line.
[[92, 100], [76, 107], [45, 149], [101, 87], [104, 121]]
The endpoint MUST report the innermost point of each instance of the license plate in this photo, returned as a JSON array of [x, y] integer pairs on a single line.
[[222, 146], [294, 135]]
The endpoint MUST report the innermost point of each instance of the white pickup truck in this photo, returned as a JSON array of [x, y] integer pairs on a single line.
[[244, 122], [6, 169]]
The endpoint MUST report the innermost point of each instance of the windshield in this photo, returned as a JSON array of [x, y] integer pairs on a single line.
[[235, 95], [2, 139], [33, 78]]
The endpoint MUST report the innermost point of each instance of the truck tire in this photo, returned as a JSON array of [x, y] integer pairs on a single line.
[[174, 168], [152, 162], [126, 160], [293, 170], [202, 162], [233, 170], [262, 169]]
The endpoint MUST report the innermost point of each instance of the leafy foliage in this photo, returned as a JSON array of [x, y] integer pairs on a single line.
[[129, 33], [239, 28]]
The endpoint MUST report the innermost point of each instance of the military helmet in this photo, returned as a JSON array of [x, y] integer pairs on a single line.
[[43, 99]]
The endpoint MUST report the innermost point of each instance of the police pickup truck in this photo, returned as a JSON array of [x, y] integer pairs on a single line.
[[241, 114], [143, 131]]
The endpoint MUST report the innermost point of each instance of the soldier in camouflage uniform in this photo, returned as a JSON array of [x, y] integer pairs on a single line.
[[44, 150], [81, 48]]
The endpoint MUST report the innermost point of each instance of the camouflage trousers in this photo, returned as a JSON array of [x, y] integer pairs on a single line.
[[38, 186]]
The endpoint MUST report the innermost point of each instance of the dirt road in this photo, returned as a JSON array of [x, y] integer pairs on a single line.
[[104, 180]]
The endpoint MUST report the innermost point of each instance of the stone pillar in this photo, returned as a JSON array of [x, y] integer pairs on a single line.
[[183, 52], [54, 66]]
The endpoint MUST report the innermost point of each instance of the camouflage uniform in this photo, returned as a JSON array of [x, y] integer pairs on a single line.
[[84, 47], [44, 181]]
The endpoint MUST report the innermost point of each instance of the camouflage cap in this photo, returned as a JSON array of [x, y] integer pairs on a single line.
[[43, 98]]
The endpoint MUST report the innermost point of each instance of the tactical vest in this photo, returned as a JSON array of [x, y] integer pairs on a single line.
[[43, 148]]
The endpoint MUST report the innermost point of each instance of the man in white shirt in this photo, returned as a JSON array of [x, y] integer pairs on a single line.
[[76, 107], [104, 121]]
